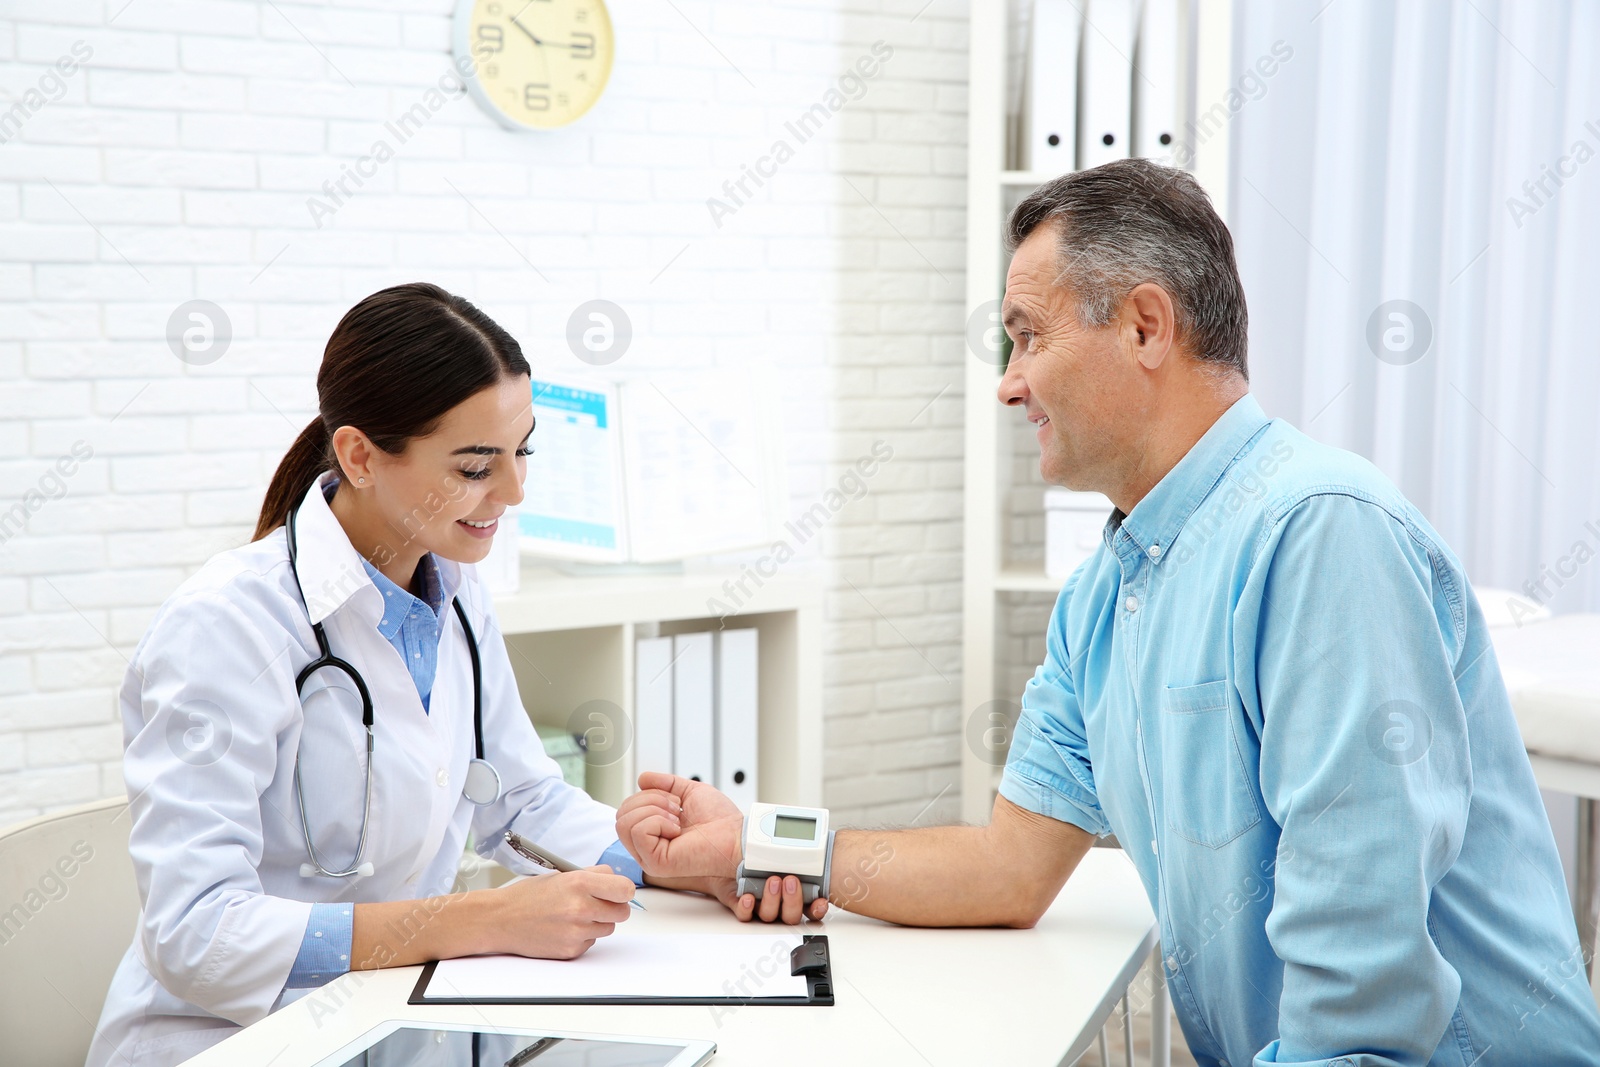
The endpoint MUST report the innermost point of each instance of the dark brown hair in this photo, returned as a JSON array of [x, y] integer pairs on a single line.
[[1133, 221], [396, 363]]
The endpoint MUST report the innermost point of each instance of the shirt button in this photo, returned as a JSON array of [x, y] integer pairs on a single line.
[[1132, 603], [443, 778], [1155, 551], [1172, 963]]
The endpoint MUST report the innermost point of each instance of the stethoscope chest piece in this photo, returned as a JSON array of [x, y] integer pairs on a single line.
[[483, 783]]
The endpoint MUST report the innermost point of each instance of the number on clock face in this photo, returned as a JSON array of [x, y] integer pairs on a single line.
[[541, 63]]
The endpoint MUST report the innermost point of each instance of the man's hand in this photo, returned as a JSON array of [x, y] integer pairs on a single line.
[[686, 835]]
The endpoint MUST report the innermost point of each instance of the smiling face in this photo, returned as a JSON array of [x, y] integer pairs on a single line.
[[1077, 385], [445, 493]]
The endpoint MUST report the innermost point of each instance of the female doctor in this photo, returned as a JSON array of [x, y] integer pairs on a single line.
[[277, 840]]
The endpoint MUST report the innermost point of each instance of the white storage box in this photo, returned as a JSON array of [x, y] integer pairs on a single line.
[[1072, 529]]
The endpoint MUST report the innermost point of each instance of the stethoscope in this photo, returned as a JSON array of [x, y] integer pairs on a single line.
[[483, 781]]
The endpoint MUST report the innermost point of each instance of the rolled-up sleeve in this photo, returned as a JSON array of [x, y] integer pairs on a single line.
[[1048, 770], [206, 705], [1364, 766]]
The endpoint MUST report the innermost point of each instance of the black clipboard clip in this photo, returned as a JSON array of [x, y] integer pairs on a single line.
[[810, 958]]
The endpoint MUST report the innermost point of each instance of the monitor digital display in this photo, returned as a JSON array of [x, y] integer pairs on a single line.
[[795, 829]]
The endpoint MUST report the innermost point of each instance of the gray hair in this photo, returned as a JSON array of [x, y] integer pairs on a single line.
[[1133, 221]]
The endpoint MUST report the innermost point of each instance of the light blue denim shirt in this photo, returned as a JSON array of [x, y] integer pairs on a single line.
[[412, 625], [1274, 685]]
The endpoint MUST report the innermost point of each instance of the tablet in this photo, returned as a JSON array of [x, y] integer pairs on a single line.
[[412, 1044]]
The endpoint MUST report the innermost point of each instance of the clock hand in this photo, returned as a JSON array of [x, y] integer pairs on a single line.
[[518, 24], [540, 40]]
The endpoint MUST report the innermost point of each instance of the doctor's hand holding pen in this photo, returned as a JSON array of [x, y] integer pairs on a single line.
[[550, 916]]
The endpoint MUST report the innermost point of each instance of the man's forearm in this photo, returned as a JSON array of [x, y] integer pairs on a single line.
[[1003, 874]]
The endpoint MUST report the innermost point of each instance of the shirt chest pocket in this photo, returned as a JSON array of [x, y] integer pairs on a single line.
[[1205, 793]]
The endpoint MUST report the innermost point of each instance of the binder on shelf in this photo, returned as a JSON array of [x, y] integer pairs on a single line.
[[1158, 72], [1050, 115], [736, 714], [1107, 84], [693, 715], [652, 704]]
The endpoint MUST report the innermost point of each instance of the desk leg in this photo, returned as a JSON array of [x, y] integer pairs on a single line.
[[1584, 900], [1160, 1014], [1127, 1030]]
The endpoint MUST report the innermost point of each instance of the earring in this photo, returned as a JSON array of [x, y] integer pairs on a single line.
[[361, 481]]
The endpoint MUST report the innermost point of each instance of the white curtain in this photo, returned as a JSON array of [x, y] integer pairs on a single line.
[[1444, 154]]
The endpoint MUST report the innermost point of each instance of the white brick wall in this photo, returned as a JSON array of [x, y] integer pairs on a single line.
[[177, 162]]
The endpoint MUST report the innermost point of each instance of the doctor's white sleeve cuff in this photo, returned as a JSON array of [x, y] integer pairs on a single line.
[[325, 948], [616, 857]]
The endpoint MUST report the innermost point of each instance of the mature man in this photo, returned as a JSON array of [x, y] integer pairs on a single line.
[[1272, 683]]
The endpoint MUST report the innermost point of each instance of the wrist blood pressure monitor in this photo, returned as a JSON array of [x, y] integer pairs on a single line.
[[780, 839]]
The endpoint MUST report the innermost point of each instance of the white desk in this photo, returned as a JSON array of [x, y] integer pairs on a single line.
[[956, 997], [1553, 677]]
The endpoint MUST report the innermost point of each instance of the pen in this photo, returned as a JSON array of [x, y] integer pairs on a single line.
[[545, 858]]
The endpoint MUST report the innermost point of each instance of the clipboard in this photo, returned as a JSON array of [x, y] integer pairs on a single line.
[[809, 959]]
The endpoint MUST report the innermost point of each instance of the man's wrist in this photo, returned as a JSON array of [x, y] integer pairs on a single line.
[[827, 866], [788, 841]]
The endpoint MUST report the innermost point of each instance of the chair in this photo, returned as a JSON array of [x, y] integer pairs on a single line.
[[68, 908]]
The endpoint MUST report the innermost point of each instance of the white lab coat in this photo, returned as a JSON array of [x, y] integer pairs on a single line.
[[212, 723]]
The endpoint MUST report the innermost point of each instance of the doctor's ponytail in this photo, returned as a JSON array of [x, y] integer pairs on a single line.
[[395, 364], [306, 458]]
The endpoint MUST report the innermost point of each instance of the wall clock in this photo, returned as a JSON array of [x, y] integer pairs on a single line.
[[534, 64]]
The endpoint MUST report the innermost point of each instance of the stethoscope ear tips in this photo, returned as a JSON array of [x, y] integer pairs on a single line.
[[307, 871]]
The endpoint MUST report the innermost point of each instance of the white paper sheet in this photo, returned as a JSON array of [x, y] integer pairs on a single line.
[[633, 965]]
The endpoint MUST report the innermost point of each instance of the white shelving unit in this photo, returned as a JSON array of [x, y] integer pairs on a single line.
[[571, 641], [988, 573]]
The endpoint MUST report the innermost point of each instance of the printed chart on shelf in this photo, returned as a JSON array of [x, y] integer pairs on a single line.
[[573, 505], [653, 469]]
